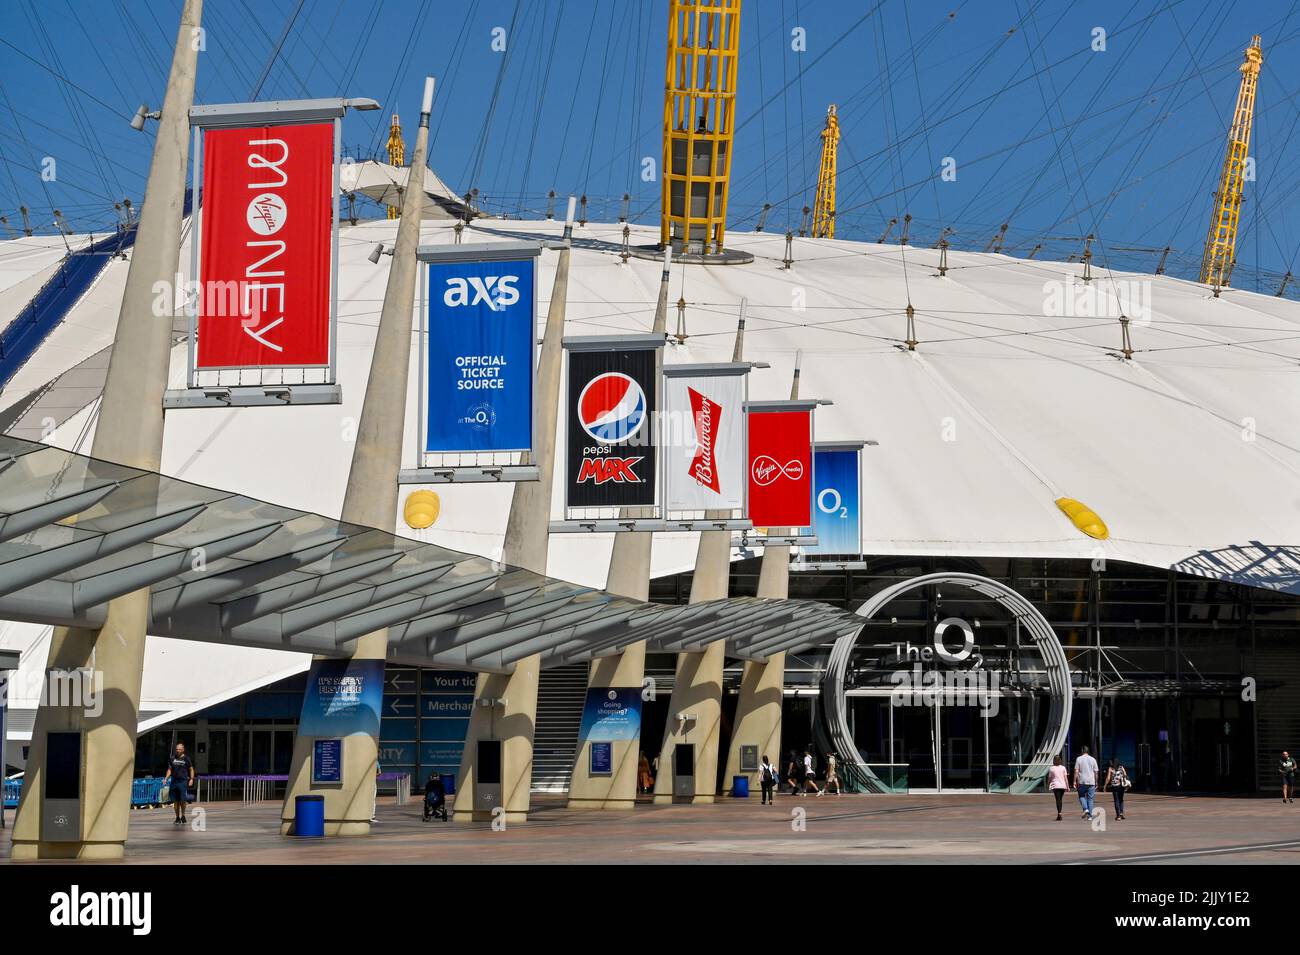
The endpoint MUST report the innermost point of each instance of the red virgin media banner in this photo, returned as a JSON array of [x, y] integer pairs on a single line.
[[780, 468], [264, 273]]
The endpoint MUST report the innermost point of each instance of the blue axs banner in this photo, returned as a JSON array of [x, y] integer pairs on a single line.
[[480, 374], [837, 514]]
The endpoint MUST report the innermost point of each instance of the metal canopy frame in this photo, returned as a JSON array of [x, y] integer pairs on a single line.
[[221, 567], [235, 116], [491, 473]]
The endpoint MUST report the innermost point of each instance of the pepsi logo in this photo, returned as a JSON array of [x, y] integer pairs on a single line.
[[767, 470], [266, 214], [611, 408]]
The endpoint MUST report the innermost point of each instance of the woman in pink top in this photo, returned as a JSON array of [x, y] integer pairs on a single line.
[[1057, 782]]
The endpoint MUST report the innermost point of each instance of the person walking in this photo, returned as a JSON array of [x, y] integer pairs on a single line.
[[767, 776], [832, 777], [793, 773], [1117, 782], [179, 779], [1057, 782], [810, 774], [1286, 767], [644, 779], [1085, 780]]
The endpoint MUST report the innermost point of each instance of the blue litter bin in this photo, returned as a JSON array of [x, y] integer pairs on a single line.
[[740, 787], [449, 783], [309, 816]]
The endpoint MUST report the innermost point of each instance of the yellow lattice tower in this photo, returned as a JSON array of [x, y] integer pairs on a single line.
[[699, 122], [823, 226], [1221, 243], [396, 155]]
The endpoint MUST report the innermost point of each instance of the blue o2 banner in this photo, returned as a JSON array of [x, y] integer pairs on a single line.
[[480, 359], [837, 521], [342, 698], [611, 713]]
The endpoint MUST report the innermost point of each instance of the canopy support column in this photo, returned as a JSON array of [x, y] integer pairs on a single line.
[[496, 768]]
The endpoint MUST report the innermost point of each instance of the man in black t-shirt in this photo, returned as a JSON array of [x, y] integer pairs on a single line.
[[179, 779]]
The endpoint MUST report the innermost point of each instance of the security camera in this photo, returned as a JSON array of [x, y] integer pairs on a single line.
[[377, 251]]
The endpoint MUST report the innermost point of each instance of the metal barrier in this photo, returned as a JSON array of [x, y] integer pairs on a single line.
[[401, 785]]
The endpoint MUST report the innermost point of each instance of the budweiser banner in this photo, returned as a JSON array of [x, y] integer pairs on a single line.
[[611, 427], [704, 438], [267, 208], [780, 467]]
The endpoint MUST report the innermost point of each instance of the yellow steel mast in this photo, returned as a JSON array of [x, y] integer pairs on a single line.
[[824, 206], [699, 123], [396, 155], [1221, 243]]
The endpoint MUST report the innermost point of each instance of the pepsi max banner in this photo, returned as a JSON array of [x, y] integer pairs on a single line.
[[611, 435], [480, 371], [264, 275], [704, 438], [780, 466], [837, 491]]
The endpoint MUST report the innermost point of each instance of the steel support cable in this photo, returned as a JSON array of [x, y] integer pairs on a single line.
[[1030, 138], [602, 89], [477, 166], [981, 101], [399, 74], [1148, 136], [921, 124], [276, 47], [573, 101], [537, 116], [442, 91], [979, 120], [79, 121]]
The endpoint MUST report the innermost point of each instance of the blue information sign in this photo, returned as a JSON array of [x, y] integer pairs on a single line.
[[480, 360], [836, 516], [326, 761], [343, 697], [611, 713], [602, 759]]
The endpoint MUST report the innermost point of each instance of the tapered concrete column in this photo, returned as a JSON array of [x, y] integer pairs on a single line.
[[505, 704], [371, 500], [629, 576], [762, 685], [695, 713], [130, 432], [695, 716]]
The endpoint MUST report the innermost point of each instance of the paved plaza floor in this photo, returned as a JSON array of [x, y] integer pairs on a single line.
[[946, 829]]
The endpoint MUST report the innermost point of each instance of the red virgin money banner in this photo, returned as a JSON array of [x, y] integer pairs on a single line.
[[264, 273], [780, 468]]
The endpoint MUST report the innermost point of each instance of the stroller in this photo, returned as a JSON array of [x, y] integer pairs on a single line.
[[435, 799]]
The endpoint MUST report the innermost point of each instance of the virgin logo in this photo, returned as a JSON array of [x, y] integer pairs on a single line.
[[266, 214], [767, 470]]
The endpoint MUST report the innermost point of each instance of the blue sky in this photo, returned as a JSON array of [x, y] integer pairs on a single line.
[[1047, 134]]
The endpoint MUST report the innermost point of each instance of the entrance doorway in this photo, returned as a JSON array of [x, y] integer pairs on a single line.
[[939, 748]]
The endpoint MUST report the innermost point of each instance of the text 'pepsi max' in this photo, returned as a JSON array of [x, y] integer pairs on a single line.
[[611, 413]]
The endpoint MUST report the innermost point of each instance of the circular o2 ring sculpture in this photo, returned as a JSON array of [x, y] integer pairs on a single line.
[[1040, 631]]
